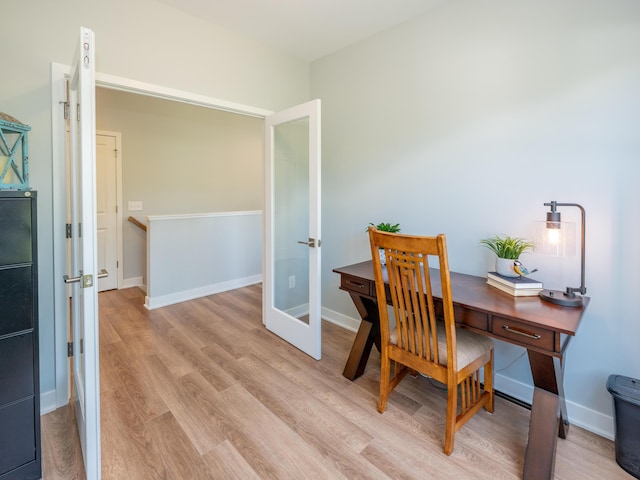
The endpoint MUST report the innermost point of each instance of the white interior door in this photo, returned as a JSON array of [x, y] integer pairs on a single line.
[[291, 281], [83, 277], [107, 208]]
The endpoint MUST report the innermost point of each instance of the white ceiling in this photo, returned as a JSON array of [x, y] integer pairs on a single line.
[[309, 29]]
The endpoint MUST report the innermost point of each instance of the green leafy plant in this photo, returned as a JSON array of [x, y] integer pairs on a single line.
[[507, 247], [386, 227]]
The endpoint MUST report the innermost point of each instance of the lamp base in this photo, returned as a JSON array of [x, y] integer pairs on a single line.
[[561, 298]]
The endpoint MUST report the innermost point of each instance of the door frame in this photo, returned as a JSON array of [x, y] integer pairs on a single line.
[[59, 72]]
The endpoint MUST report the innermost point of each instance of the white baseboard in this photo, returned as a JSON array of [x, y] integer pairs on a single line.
[[48, 402], [170, 299], [513, 388], [592, 420], [134, 282], [298, 311], [341, 320], [579, 415]]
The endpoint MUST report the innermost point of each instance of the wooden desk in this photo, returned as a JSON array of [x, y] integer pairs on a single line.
[[543, 328]]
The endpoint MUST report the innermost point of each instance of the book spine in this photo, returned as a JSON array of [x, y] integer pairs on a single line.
[[515, 285], [521, 292]]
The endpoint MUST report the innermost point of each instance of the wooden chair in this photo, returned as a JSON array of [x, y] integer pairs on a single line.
[[425, 338]]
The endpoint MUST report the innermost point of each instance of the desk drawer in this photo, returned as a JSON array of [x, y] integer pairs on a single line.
[[471, 318], [464, 316], [523, 333], [358, 285]]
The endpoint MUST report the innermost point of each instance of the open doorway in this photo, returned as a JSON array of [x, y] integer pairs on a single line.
[[58, 76], [181, 159]]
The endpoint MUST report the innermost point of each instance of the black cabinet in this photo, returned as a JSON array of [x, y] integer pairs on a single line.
[[19, 375]]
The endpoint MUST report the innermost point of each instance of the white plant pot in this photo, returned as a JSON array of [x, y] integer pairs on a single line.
[[504, 266]]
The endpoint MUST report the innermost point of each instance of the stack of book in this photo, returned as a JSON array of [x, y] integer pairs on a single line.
[[516, 286]]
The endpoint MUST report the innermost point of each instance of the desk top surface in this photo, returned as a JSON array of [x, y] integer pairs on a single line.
[[473, 292]]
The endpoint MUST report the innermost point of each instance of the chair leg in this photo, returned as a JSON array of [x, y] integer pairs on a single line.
[[385, 376], [450, 423], [488, 383]]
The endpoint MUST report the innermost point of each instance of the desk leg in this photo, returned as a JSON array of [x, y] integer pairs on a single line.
[[548, 416], [368, 335], [539, 460]]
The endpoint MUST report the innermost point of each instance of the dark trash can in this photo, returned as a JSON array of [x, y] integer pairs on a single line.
[[626, 402]]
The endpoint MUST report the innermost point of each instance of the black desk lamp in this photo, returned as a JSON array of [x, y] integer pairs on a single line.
[[557, 238]]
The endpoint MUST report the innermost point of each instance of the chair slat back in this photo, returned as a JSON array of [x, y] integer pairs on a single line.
[[410, 290]]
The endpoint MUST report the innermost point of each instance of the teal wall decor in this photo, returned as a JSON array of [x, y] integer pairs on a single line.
[[14, 154]]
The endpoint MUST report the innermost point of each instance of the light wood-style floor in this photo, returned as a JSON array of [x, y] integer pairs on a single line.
[[201, 390]]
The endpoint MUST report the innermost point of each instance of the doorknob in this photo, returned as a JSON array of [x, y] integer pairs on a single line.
[[311, 242], [87, 280]]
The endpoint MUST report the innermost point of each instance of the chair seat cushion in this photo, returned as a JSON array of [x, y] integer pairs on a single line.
[[470, 345]]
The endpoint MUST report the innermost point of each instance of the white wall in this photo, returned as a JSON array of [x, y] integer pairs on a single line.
[[465, 121], [180, 158], [144, 41], [195, 255]]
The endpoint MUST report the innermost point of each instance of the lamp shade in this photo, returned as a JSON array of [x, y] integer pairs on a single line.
[[555, 238]]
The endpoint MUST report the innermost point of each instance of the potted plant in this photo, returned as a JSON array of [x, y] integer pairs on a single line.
[[385, 227], [507, 249]]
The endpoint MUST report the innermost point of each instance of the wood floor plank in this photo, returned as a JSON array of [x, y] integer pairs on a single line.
[[400, 462], [191, 352], [298, 404], [258, 378], [179, 454], [174, 318], [163, 348], [113, 466], [253, 428], [203, 390], [108, 334], [595, 454], [133, 378], [228, 333], [330, 444], [194, 420], [61, 454], [122, 425], [224, 461]]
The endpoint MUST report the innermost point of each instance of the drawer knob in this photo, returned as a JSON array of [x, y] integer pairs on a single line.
[[520, 332], [359, 285]]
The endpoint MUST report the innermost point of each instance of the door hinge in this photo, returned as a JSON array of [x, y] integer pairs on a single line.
[[68, 230], [79, 230], [70, 348], [65, 109], [78, 113]]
